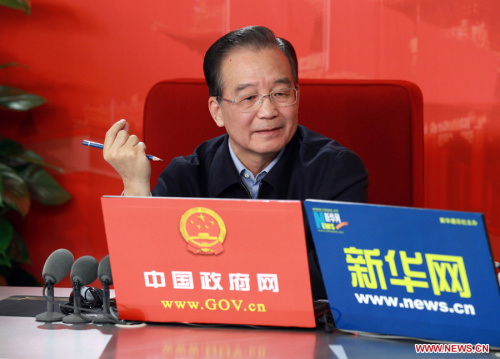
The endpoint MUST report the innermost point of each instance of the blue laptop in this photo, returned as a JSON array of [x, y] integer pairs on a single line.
[[408, 272]]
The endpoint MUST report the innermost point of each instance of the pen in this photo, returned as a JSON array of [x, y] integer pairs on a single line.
[[101, 146]]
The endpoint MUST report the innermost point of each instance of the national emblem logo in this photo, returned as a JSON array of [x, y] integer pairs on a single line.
[[203, 230]]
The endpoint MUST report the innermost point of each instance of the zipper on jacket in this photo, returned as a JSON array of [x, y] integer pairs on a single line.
[[258, 191], [246, 190]]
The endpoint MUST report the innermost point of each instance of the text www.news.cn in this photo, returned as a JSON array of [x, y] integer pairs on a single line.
[[418, 304]]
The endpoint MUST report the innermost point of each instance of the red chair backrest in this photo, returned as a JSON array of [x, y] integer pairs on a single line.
[[381, 120]]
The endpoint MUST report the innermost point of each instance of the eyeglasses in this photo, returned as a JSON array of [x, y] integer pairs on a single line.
[[252, 102]]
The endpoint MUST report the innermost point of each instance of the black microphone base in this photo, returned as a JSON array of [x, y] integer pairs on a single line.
[[49, 317], [102, 319], [75, 319]]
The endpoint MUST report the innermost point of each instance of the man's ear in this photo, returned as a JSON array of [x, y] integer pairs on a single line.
[[216, 111]]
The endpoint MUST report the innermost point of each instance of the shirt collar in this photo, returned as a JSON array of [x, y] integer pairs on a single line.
[[221, 176], [240, 167]]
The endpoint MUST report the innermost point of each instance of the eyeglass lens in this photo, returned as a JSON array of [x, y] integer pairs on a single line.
[[280, 97]]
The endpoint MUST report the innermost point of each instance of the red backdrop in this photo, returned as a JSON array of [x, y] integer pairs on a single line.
[[95, 64]]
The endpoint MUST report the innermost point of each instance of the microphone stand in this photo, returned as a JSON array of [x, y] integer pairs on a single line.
[[76, 317], [104, 318], [49, 315]]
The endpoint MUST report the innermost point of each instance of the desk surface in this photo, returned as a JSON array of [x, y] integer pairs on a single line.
[[23, 337]]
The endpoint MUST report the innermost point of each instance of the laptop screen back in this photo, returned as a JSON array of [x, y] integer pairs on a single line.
[[407, 271], [209, 260]]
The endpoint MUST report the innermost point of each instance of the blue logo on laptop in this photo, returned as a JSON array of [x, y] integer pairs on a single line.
[[328, 220]]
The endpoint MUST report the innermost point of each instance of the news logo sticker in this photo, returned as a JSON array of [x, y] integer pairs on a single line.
[[328, 220]]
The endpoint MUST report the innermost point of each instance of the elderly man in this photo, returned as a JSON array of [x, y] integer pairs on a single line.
[[253, 84]]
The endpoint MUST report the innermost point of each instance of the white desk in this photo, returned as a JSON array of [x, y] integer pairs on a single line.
[[23, 337]]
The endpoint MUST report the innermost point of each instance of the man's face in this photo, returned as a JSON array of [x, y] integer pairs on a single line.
[[258, 136]]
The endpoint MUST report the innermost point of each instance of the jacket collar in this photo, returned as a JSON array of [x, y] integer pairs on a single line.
[[224, 174], [279, 176]]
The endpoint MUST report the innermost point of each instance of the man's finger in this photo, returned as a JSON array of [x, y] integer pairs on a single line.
[[132, 140], [142, 146], [113, 131]]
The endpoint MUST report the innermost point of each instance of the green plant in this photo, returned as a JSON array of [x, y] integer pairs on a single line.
[[11, 97], [16, 99], [22, 179], [24, 5]]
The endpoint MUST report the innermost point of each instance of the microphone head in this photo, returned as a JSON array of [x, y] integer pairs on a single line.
[[57, 266], [104, 271], [84, 270]]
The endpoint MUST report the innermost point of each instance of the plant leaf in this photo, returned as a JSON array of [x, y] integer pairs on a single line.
[[15, 192], [1, 197], [17, 251], [10, 147], [24, 5], [12, 63], [43, 187], [30, 156], [6, 234], [4, 260], [13, 154], [19, 100]]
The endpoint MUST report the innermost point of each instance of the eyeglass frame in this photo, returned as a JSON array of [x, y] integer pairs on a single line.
[[261, 99]]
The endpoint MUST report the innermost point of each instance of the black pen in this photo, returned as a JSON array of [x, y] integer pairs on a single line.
[[101, 146]]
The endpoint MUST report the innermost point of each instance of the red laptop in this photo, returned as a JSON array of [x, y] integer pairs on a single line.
[[223, 261]]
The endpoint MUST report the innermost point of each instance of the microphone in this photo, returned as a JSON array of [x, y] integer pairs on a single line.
[[57, 266], [83, 272], [104, 271], [105, 277]]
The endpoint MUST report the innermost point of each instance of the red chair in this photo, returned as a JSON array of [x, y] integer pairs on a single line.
[[380, 120]]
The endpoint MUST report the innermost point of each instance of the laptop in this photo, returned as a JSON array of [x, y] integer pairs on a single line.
[[408, 272], [223, 261]]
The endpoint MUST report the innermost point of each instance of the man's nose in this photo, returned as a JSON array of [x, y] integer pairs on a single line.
[[263, 97], [267, 107]]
